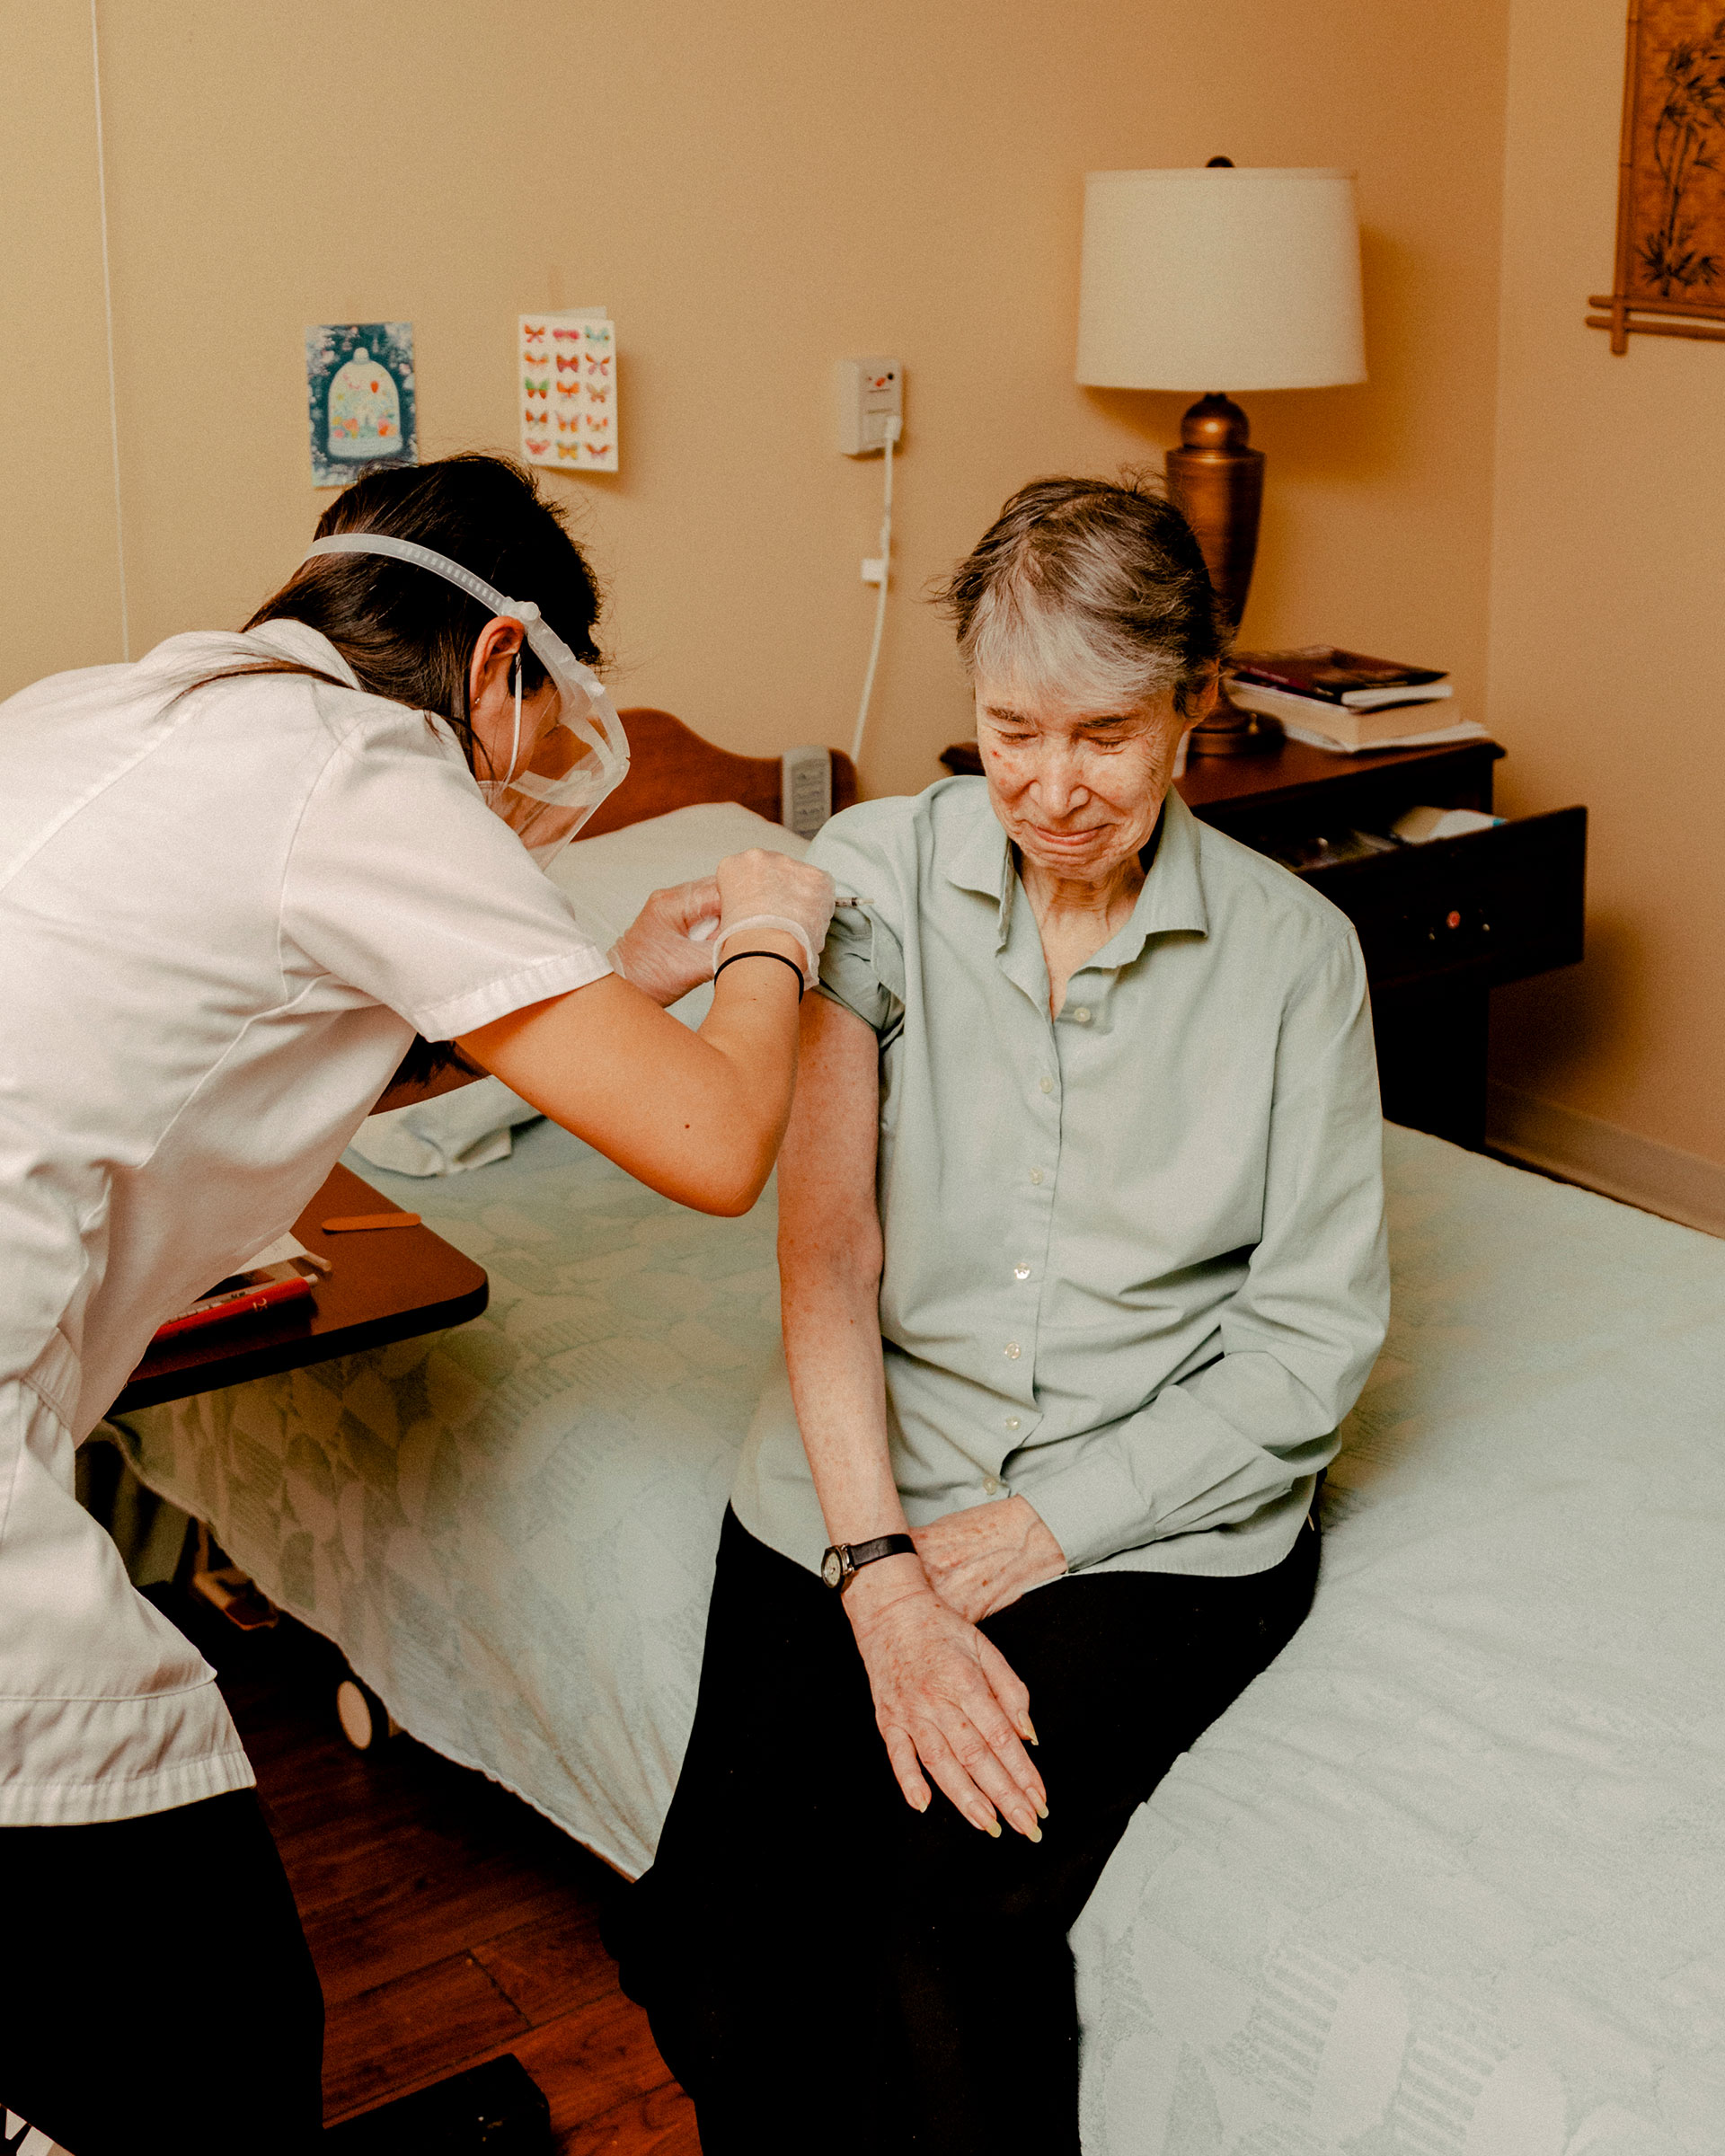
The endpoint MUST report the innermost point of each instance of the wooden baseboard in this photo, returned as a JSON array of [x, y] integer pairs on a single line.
[[1618, 1163]]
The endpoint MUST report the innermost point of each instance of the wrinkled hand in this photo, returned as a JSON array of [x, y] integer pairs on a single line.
[[655, 955], [761, 882], [982, 1559], [946, 1697]]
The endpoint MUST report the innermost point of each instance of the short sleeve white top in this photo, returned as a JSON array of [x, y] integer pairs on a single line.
[[223, 917]]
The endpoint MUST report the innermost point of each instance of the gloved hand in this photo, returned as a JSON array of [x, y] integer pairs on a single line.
[[762, 892], [655, 955]]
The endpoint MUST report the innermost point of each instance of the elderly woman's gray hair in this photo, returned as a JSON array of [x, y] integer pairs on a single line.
[[1088, 590]]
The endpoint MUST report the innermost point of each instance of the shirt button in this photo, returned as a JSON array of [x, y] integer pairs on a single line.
[[1036, 1175], [991, 1485], [1020, 1272], [1047, 1085], [1011, 1422], [1013, 1351], [1083, 1014]]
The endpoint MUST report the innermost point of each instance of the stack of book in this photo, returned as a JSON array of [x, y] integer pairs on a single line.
[[1346, 702]]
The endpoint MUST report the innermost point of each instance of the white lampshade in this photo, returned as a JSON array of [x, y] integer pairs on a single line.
[[1221, 279]]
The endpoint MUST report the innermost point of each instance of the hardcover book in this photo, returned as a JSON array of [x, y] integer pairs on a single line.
[[1328, 674], [1345, 724]]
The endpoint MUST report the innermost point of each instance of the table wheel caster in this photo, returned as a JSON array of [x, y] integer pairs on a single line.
[[365, 1722]]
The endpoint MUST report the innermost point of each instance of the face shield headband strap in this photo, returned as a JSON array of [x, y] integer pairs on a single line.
[[597, 725]]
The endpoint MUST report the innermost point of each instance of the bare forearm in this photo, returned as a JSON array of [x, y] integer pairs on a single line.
[[832, 1344], [830, 1256], [751, 1032]]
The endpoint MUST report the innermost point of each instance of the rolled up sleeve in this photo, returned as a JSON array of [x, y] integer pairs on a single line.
[[1296, 1342], [862, 962]]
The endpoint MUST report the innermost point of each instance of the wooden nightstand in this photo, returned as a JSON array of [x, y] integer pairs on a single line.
[[1441, 925]]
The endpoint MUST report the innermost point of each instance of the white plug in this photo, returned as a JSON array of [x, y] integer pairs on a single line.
[[892, 427], [874, 565]]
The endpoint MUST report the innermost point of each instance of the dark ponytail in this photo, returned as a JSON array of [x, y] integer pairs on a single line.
[[409, 635]]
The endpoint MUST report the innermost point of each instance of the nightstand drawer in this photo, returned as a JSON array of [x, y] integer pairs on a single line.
[[1495, 906]]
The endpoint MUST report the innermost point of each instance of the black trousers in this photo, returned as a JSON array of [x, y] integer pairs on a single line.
[[824, 1967], [156, 1990]]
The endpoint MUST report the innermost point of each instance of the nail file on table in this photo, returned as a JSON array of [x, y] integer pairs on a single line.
[[345, 1224]]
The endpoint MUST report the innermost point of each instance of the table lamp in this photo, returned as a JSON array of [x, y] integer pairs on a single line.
[[1220, 274]]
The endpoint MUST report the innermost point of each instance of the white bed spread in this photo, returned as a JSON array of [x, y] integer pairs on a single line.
[[1450, 1878]]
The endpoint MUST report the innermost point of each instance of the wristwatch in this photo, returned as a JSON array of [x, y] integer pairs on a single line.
[[846, 1558]]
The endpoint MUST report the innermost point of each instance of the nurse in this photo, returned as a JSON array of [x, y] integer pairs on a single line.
[[242, 882]]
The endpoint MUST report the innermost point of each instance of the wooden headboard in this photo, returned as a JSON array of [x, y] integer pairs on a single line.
[[670, 766]]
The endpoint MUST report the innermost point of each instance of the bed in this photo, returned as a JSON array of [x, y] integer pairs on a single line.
[[1449, 1878]]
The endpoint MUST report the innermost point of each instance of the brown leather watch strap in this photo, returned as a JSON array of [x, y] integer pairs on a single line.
[[852, 1556]]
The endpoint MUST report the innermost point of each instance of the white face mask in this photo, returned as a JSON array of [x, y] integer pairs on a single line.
[[579, 760]]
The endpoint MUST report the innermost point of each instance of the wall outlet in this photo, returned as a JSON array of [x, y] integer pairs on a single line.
[[870, 392]]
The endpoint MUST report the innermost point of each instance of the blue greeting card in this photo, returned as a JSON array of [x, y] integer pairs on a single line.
[[359, 398]]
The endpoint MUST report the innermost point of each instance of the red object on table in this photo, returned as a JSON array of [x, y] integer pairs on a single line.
[[381, 1288], [242, 1303]]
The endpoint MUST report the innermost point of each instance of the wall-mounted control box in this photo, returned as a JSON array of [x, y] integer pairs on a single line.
[[805, 789], [870, 392]]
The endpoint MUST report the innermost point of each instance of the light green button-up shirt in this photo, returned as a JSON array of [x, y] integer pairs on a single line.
[[1135, 1266]]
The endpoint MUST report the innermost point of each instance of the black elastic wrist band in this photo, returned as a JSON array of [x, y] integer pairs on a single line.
[[737, 957]]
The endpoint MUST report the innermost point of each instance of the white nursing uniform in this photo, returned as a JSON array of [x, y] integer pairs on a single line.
[[223, 918]]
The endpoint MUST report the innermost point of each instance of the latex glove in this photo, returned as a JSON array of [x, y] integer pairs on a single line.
[[981, 1559], [655, 955], [758, 886], [945, 1699]]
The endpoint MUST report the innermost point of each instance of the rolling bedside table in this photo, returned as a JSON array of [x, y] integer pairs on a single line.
[[1440, 926], [384, 1288]]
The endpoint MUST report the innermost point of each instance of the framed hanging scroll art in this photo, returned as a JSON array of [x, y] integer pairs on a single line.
[[1670, 274]]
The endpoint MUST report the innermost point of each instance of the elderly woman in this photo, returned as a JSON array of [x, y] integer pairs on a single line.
[[1083, 1255]]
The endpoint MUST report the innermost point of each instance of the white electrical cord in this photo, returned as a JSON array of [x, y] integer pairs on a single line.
[[107, 302], [894, 426]]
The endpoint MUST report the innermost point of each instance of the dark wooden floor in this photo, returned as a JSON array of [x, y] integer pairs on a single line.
[[449, 1922]]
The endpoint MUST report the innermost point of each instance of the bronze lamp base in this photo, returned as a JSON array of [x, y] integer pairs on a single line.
[[1217, 482], [1231, 731]]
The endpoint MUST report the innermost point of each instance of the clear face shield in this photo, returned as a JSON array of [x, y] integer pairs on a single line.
[[583, 756]]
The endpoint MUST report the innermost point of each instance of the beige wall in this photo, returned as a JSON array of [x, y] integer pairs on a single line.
[[1608, 677], [60, 593], [754, 188]]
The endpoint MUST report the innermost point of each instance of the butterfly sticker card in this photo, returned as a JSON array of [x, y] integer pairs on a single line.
[[567, 377], [359, 398]]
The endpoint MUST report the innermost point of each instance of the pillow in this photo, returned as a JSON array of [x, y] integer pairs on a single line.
[[607, 880]]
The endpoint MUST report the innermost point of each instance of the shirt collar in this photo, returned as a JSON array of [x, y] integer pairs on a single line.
[[1171, 902], [309, 647]]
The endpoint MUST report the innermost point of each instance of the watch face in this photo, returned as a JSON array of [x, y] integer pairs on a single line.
[[832, 1568]]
